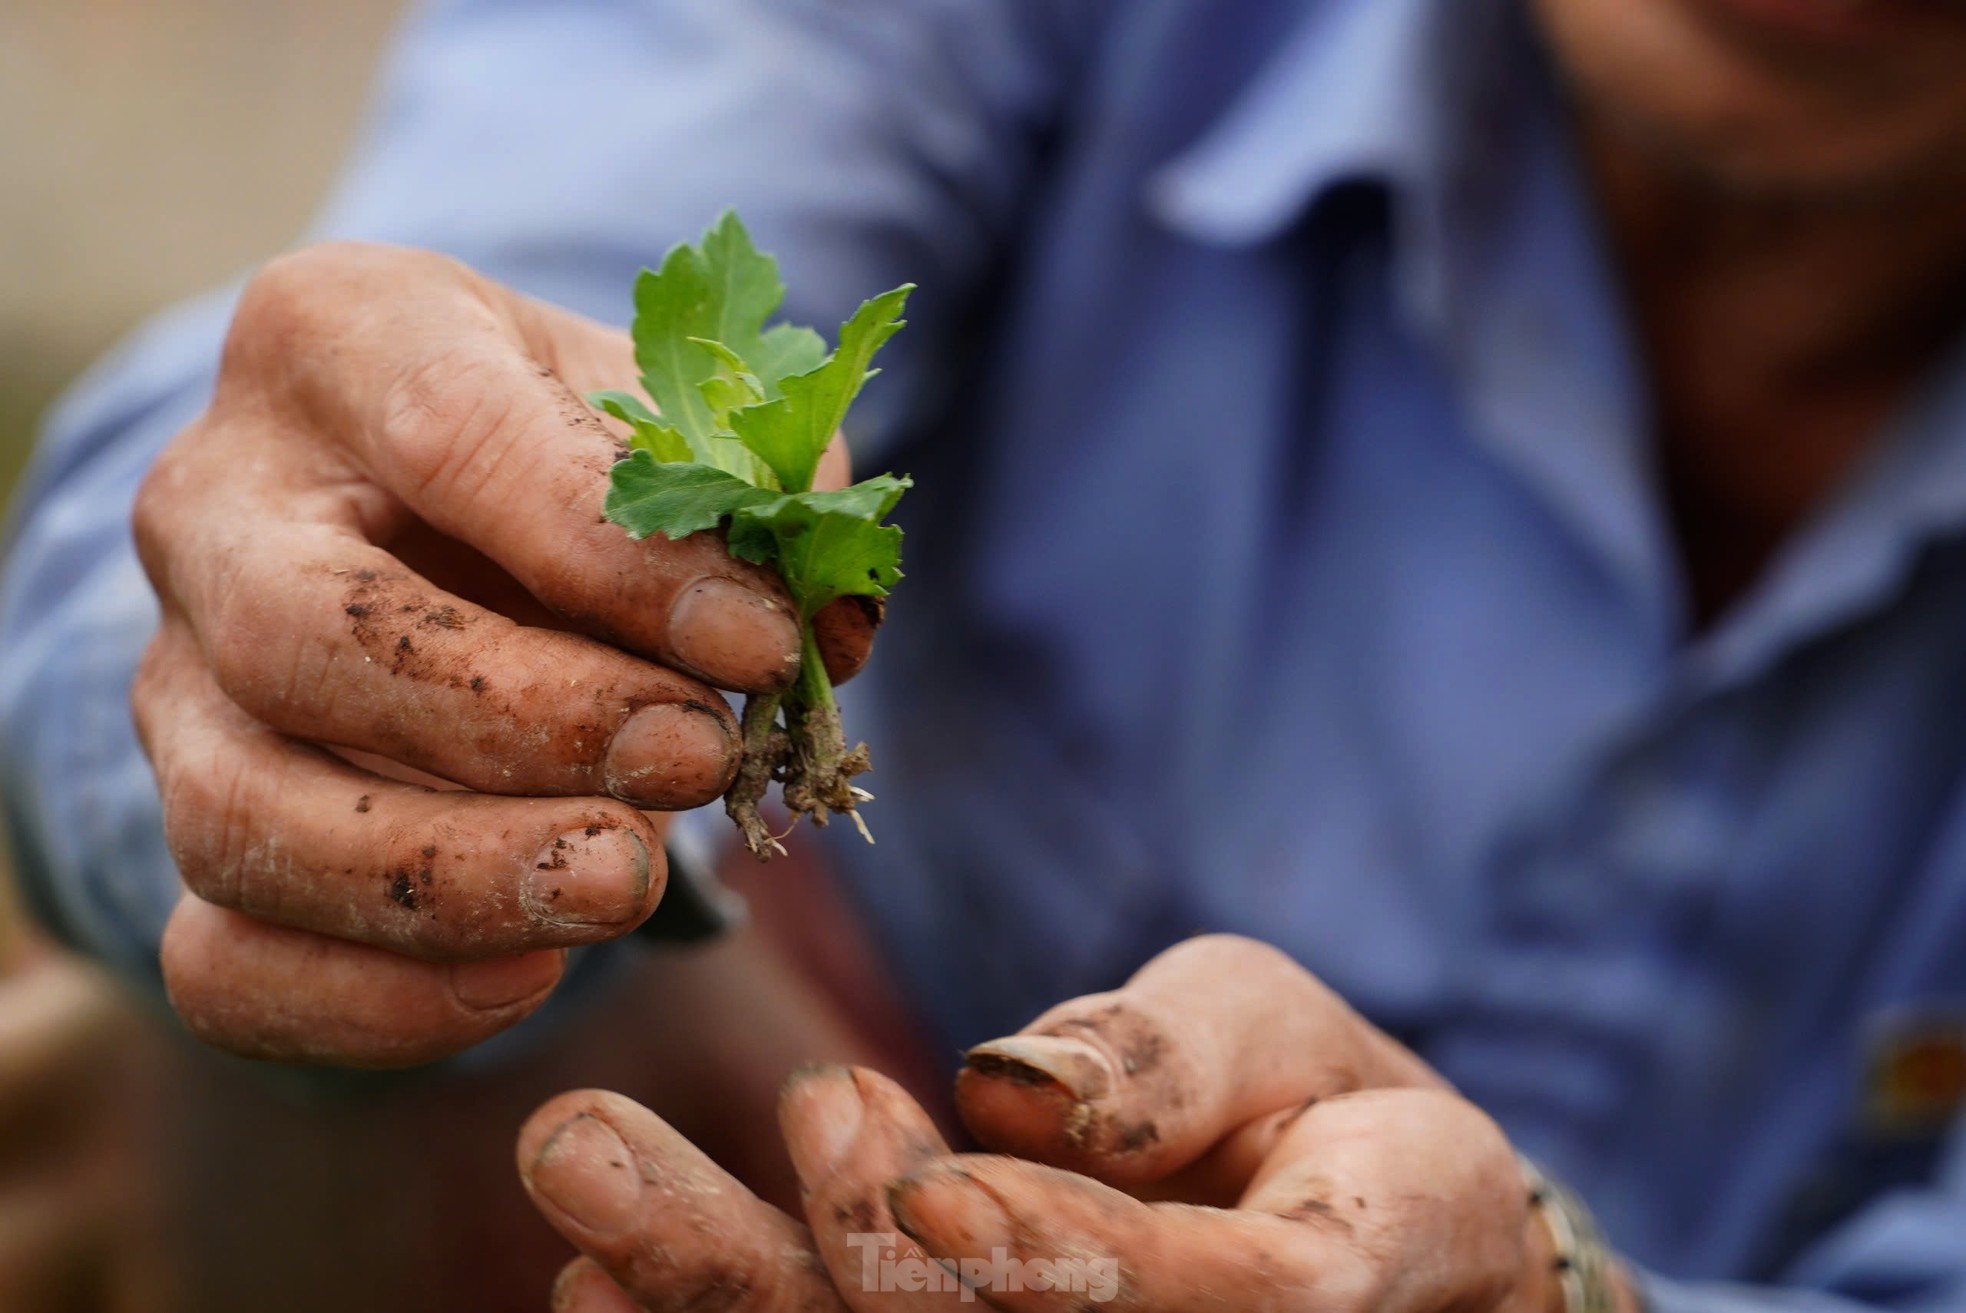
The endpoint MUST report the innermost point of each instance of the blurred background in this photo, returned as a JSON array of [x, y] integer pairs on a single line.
[[150, 150]]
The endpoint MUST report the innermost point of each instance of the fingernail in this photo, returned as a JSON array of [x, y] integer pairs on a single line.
[[668, 753], [733, 636], [949, 1213], [587, 1172], [1045, 1059], [821, 1113], [500, 982], [595, 876]]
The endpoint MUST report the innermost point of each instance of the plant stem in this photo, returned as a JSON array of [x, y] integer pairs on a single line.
[[813, 689]]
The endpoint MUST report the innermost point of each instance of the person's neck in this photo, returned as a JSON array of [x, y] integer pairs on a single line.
[[1780, 335]]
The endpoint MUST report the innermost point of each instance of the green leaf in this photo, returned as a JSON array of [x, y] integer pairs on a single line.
[[675, 499], [623, 405], [722, 291], [732, 387], [741, 418], [825, 544], [733, 457], [650, 434], [869, 499], [786, 350], [791, 433]]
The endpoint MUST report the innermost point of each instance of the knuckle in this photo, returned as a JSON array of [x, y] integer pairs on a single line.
[[238, 639], [209, 831], [156, 521], [147, 694], [1229, 950], [300, 290], [291, 296], [300, 302]]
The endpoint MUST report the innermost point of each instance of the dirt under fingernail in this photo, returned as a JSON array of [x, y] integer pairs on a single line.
[[1082, 1070]]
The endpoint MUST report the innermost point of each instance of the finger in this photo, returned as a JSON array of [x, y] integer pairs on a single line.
[[851, 1133], [583, 1286], [1220, 1176], [844, 628], [469, 424], [321, 636], [667, 1224], [263, 991], [1391, 1200], [294, 835], [1132, 1085]]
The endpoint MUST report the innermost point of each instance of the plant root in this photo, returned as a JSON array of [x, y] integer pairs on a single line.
[[807, 757]]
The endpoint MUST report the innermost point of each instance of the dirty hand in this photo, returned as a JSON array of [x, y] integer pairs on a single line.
[[1296, 1158], [381, 560]]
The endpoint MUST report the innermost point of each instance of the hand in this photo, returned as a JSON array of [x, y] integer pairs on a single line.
[[383, 567], [1296, 1158]]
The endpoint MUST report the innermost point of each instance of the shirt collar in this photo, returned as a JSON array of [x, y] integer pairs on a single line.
[[1449, 106], [1341, 98], [1411, 94]]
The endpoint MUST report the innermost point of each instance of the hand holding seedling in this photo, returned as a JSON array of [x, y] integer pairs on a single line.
[[411, 690], [1333, 1171]]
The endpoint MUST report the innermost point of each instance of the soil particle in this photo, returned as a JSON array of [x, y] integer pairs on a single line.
[[1078, 1125], [1154, 1080], [1135, 1040], [858, 1216], [1317, 1210], [393, 620], [403, 891], [1019, 1073]]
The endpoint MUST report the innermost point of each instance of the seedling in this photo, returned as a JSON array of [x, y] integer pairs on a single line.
[[742, 415]]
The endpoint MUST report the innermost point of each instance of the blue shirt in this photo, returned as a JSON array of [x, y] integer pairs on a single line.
[[1287, 559]]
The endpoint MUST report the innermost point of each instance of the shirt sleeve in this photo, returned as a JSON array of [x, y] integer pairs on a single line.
[[1905, 1252], [557, 145]]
